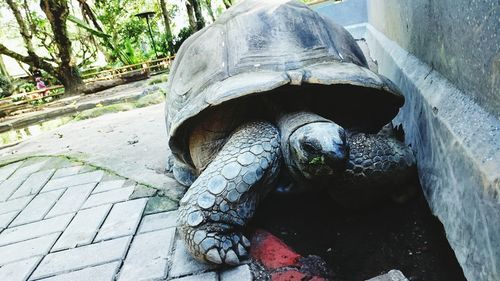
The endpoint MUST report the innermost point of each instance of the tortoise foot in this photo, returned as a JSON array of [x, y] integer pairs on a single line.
[[218, 247], [221, 201]]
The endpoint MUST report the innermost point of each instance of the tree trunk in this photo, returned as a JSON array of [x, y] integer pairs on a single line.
[[200, 22], [29, 60], [57, 12], [190, 12], [209, 9], [88, 14], [70, 78], [3, 69], [27, 36], [227, 3], [168, 30]]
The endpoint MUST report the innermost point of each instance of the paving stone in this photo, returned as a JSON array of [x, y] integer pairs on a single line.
[[20, 270], [183, 263], [83, 228], [108, 185], [9, 186], [209, 276], [7, 170], [29, 167], [122, 220], [26, 249], [105, 272], [78, 179], [107, 197], [393, 275], [148, 256], [240, 273], [67, 171], [5, 219], [38, 207], [158, 204], [82, 257], [158, 221], [33, 230], [14, 205], [33, 184], [142, 191], [72, 199]]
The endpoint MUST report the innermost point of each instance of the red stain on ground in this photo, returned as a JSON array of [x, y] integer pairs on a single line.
[[271, 251], [280, 261]]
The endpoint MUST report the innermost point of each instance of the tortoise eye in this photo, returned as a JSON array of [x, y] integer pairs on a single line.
[[308, 147]]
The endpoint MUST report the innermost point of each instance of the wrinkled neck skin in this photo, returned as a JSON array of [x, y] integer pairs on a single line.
[[314, 148]]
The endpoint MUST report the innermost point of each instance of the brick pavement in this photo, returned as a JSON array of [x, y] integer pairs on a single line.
[[64, 220]]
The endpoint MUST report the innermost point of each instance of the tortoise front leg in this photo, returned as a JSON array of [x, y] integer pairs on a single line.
[[223, 198], [379, 166]]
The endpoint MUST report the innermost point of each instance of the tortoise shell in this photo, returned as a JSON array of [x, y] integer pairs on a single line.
[[272, 48]]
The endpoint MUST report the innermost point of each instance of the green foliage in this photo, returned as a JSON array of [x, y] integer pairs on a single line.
[[5, 87], [24, 87], [42, 101], [132, 55], [320, 160], [129, 34], [108, 27], [181, 37], [87, 27]]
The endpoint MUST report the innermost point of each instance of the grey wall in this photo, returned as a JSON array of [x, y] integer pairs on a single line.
[[444, 56], [457, 146], [458, 38]]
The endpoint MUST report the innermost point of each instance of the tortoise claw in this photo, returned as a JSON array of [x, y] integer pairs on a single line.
[[213, 256], [232, 258]]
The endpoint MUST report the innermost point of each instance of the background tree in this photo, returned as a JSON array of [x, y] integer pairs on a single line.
[[166, 19], [208, 5], [227, 3], [200, 21], [62, 65], [190, 14]]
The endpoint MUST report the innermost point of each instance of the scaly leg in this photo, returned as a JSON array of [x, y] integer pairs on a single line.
[[223, 198], [379, 166]]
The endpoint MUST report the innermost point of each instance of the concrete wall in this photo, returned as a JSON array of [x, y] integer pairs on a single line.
[[459, 38], [444, 56], [457, 145]]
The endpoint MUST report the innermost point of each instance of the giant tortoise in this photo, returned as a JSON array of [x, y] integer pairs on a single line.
[[273, 87]]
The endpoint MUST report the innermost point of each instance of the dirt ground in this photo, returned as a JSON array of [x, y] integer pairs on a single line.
[[358, 245]]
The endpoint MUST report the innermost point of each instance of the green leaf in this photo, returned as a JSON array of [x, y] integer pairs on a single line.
[[87, 27]]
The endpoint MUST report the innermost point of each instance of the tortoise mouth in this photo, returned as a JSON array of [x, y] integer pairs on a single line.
[[318, 172], [320, 168]]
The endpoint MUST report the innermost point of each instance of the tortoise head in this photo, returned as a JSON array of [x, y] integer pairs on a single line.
[[319, 150]]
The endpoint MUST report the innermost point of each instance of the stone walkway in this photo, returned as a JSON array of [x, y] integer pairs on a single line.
[[64, 220]]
